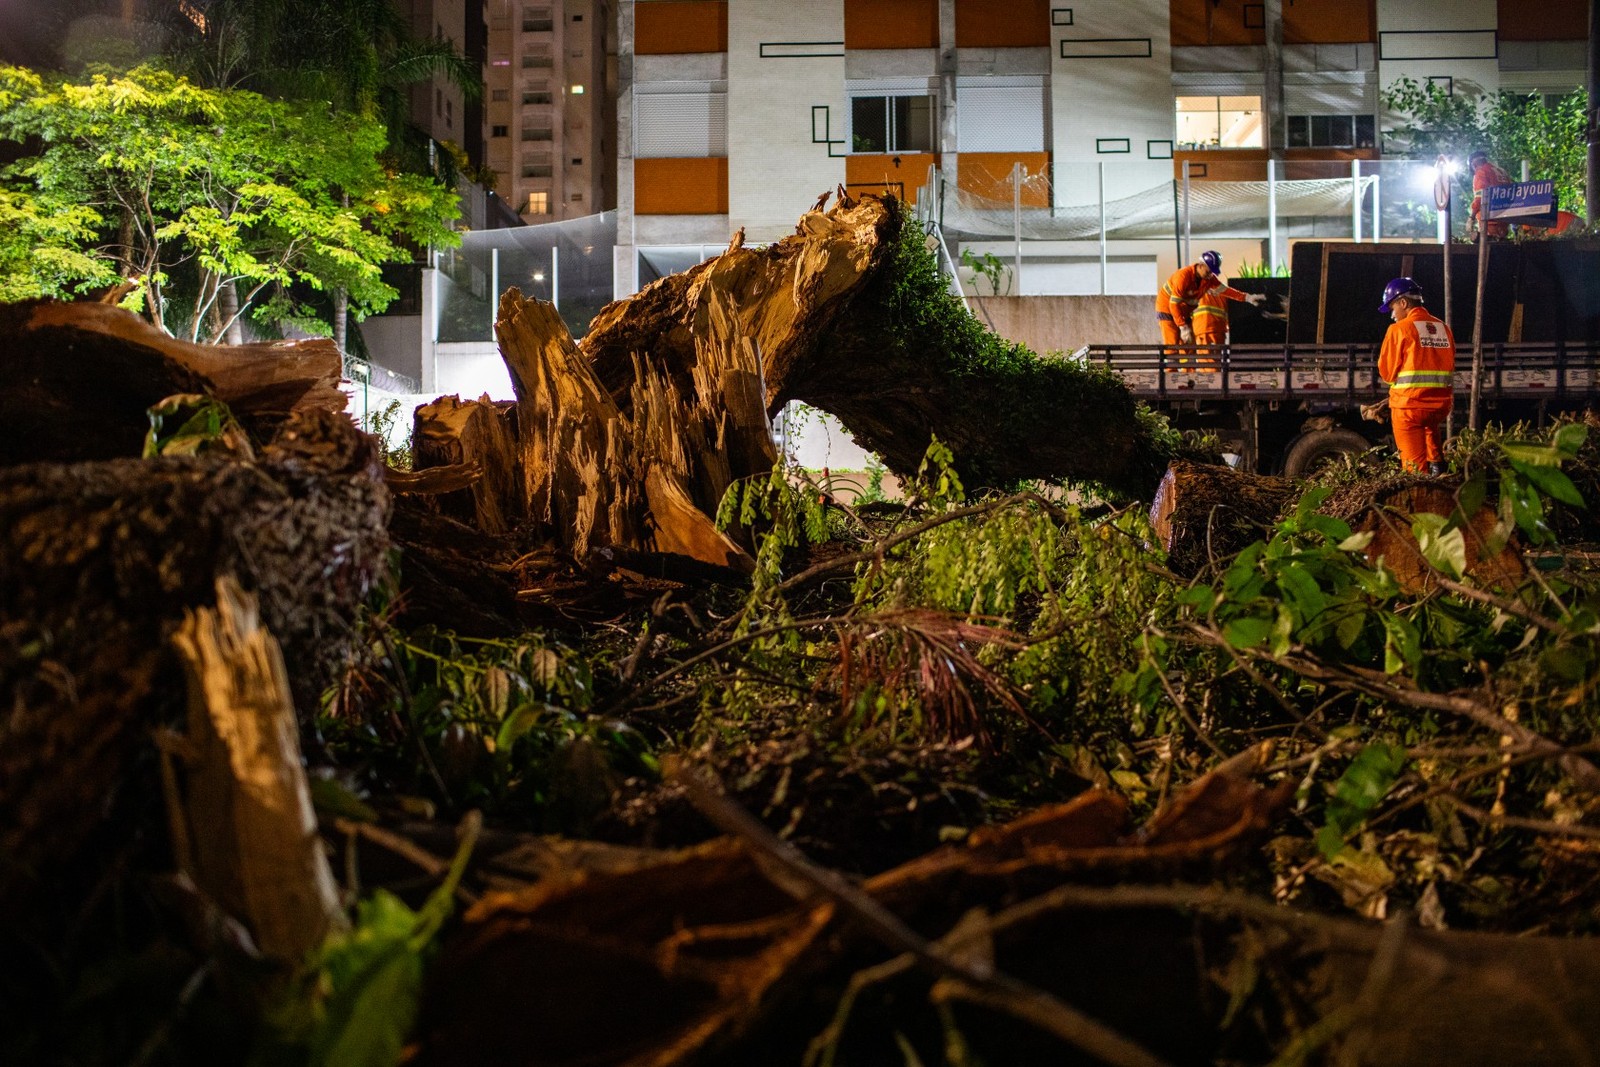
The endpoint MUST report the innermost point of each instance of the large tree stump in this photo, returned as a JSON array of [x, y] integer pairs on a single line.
[[1203, 513], [100, 560]]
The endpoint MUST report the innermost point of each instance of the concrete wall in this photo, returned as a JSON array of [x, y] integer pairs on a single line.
[[1109, 89], [1065, 323], [784, 60], [1424, 38]]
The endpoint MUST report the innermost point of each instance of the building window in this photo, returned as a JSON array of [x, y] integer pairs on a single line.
[[577, 198], [1220, 122], [438, 101], [577, 90], [891, 123], [449, 111], [537, 58], [577, 161], [499, 131], [577, 18], [538, 98], [1332, 131], [501, 94], [536, 20], [539, 203]]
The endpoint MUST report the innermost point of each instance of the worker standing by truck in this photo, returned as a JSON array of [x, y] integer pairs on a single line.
[[1485, 174], [1178, 299], [1417, 362], [1211, 326]]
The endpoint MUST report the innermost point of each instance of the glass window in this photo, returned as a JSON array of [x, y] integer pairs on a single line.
[[891, 123], [538, 203], [1219, 122], [499, 131], [1332, 131]]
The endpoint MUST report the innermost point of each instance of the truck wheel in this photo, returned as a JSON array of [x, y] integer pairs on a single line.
[[1311, 450]]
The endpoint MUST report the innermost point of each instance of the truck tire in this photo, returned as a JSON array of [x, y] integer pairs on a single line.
[[1311, 450]]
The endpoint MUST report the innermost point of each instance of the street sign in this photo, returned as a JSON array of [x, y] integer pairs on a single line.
[[1528, 203]]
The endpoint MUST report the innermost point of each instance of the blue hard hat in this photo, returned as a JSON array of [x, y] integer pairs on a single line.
[[1212, 260], [1399, 287]]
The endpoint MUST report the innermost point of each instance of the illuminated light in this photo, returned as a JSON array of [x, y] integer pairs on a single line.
[[577, 90], [1424, 177], [538, 275], [1452, 168]]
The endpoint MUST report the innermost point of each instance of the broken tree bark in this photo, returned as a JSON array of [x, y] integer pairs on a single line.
[[245, 827]]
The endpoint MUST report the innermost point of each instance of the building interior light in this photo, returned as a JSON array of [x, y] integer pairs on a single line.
[[577, 90]]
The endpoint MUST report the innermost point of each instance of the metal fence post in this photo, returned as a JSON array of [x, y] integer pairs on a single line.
[[1355, 200], [1016, 226], [1188, 228], [494, 288], [555, 276], [1103, 267], [1272, 215]]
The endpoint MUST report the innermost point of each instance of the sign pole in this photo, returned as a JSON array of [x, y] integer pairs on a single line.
[[1477, 321]]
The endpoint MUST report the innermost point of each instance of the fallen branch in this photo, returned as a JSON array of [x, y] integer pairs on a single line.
[[803, 879]]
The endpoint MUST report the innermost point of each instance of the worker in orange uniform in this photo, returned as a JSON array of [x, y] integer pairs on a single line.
[[1178, 299], [1210, 322], [1418, 362], [1485, 174]]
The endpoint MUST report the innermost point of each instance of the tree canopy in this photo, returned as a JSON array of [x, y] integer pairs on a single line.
[[1510, 126], [183, 190]]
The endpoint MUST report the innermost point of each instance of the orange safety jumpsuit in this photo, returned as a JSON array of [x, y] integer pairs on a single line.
[[1485, 175], [1211, 325], [1417, 361]]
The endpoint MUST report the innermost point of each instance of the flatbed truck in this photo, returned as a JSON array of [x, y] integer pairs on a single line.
[[1287, 408]]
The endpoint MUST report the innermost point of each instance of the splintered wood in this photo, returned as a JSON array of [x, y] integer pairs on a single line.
[[245, 829]]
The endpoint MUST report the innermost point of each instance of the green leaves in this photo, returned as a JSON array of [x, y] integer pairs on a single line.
[[260, 195], [1364, 783], [208, 424], [370, 977]]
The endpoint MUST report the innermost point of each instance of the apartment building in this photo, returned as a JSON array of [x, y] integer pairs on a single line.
[[438, 106], [739, 113], [549, 112]]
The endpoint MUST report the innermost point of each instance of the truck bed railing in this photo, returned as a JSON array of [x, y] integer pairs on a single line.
[[1347, 372]]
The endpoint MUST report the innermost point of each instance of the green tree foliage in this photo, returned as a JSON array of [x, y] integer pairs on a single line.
[[184, 191], [1510, 126]]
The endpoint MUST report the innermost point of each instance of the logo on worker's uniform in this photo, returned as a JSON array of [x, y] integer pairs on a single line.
[[1432, 335]]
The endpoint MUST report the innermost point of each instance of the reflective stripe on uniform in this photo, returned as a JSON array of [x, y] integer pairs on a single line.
[[1423, 379]]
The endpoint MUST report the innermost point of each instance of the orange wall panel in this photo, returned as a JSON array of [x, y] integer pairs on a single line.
[[988, 174], [1200, 22], [1548, 20], [671, 27], [878, 174], [1330, 22], [1238, 22], [1002, 23], [680, 186], [891, 23]]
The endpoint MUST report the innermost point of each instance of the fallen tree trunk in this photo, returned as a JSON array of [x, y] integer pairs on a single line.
[[78, 379], [629, 439], [851, 315]]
